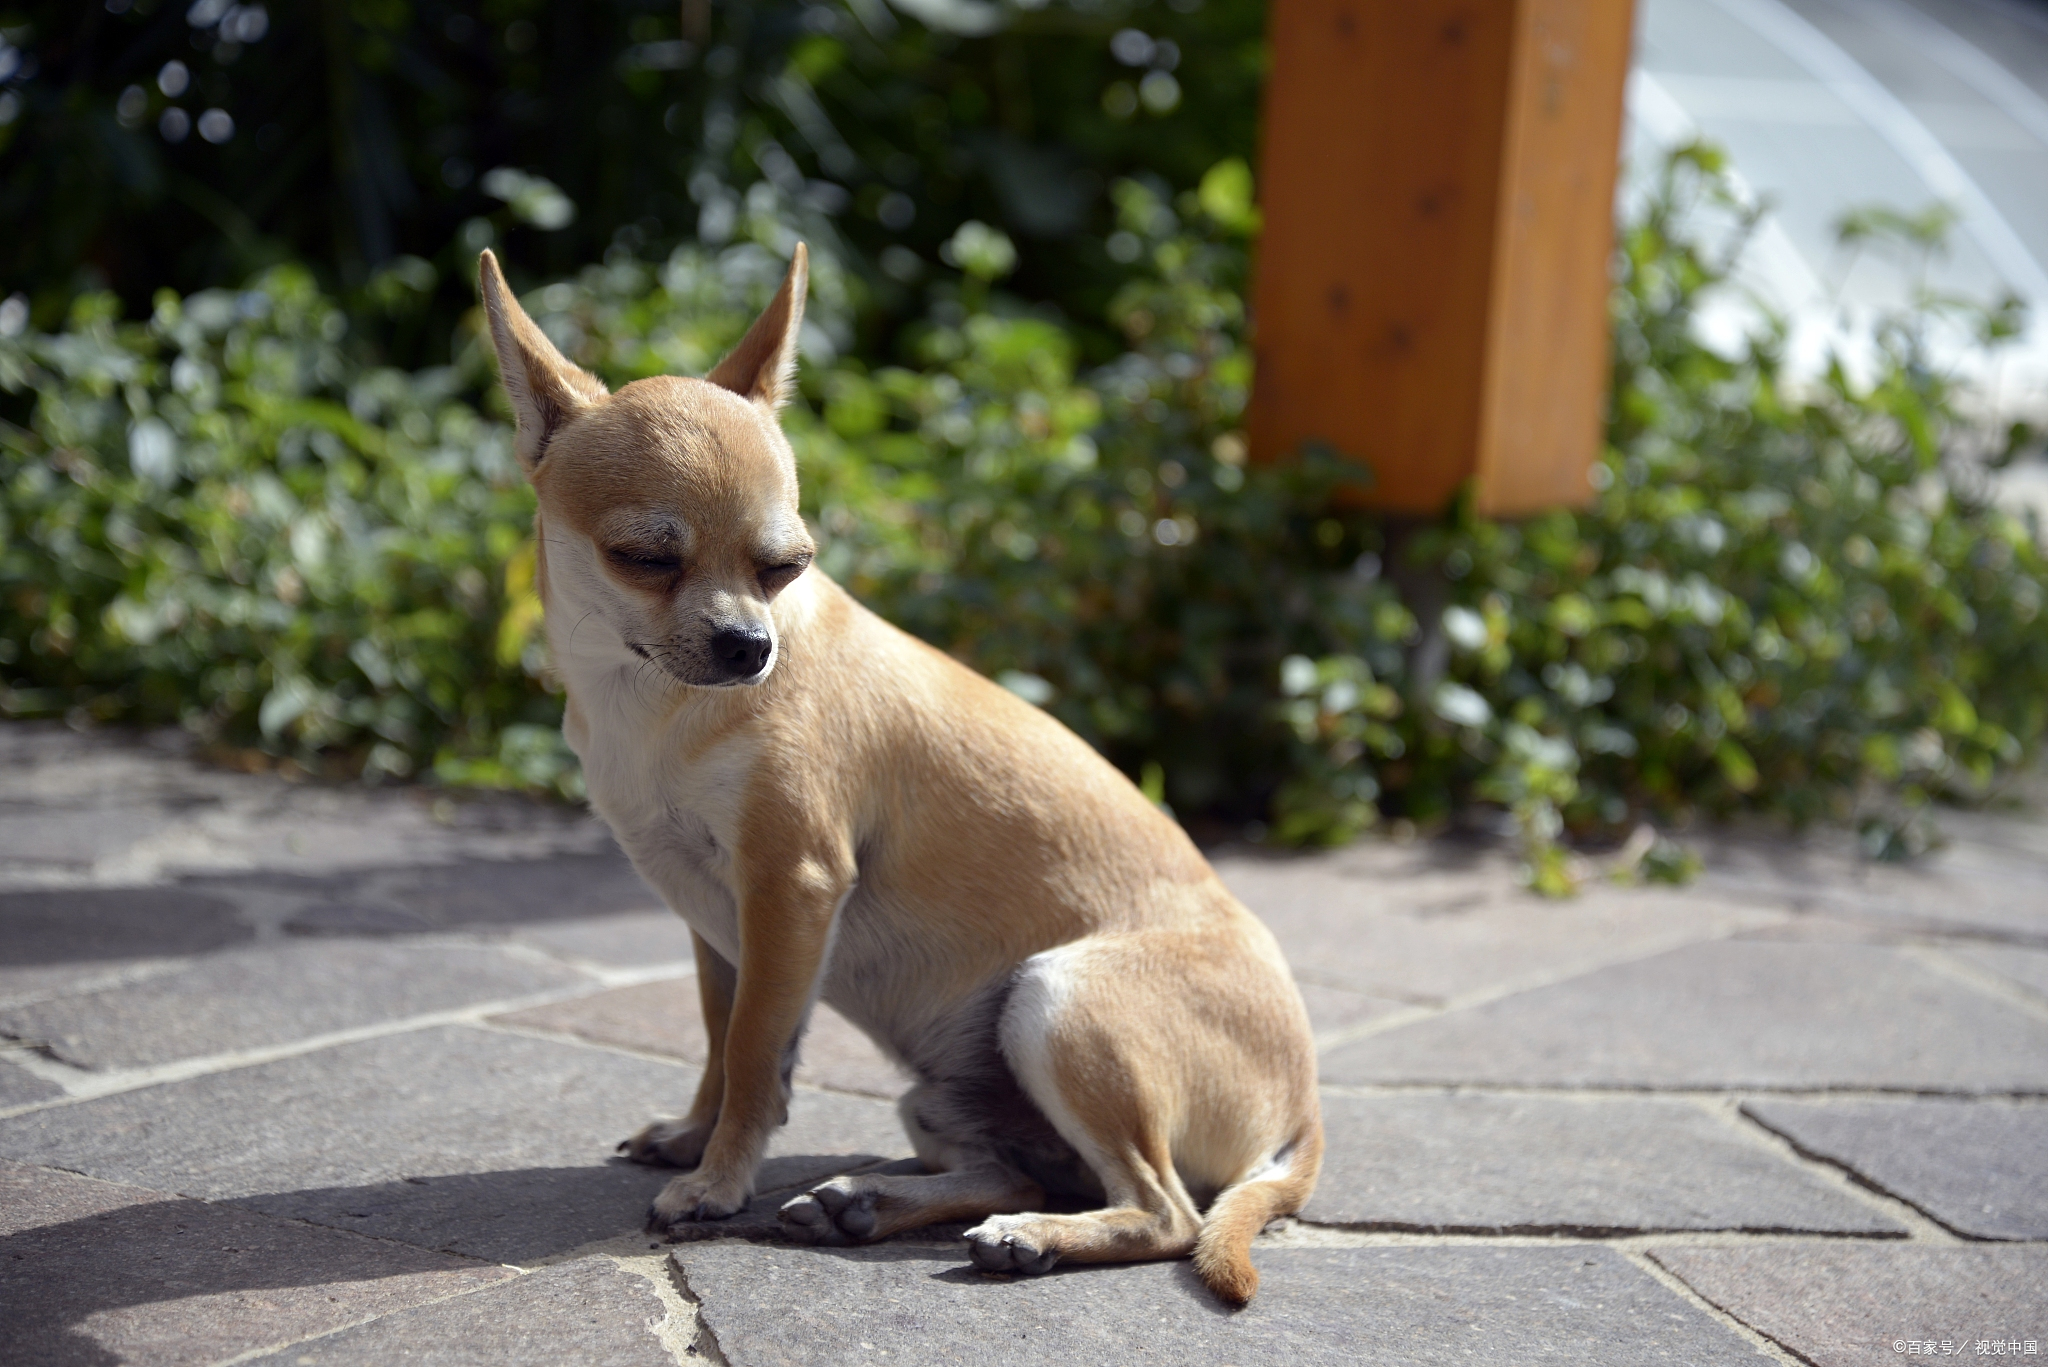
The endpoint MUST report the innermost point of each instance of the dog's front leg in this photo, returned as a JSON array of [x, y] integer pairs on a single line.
[[680, 1143], [785, 931]]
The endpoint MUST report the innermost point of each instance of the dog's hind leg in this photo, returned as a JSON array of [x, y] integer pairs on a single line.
[[864, 1206], [1149, 1216], [950, 1179], [1161, 1062]]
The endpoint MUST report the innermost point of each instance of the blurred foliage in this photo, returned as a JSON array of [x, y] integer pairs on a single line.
[[1782, 601], [219, 519], [363, 133]]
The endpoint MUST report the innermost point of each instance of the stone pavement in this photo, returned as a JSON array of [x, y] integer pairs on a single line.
[[311, 1076]]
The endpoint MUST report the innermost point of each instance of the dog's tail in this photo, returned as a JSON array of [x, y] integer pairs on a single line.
[[1223, 1250]]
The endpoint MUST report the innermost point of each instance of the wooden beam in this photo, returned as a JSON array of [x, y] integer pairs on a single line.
[[1438, 185]]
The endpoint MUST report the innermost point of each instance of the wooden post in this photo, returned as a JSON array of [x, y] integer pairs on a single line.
[[1438, 187]]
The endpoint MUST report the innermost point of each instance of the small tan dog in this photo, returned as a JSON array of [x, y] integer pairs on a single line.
[[840, 811]]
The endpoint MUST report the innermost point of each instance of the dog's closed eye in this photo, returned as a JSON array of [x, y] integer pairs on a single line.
[[644, 561], [777, 577]]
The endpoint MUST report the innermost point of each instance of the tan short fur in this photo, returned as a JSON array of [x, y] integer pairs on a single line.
[[842, 812]]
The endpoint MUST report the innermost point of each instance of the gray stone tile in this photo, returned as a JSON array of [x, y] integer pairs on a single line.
[[54, 938], [460, 893], [273, 994], [508, 892], [203, 818], [1438, 921], [1841, 1304], [94, 1272], [1965, 886], [1979, 1167], [631, 939], [1819, 928], [49, 764], [2027, 967], [589, 1313], [1727, 1014], [665, 1018], [1333, 1010], [307, 829], [651, 1018], [73, 840], [18, 1086], [473, 1141], [1493, 1164], [774, 1306]]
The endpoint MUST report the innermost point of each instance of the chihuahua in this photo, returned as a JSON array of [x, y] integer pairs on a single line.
[[842, 812]]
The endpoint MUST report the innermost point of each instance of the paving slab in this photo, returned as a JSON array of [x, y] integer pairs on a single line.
[[773, 1306], [1440, 921], [589, 1313], [1821, 928], [75, 841], [1979, 1167], [1967, 885], [511, 892], [1725, 1014], [273, 994], [2026, 967], [1334, 1010], [660, 1017], [1520, 1164], [475, 1141], [458, 894], [52, 939], [96, 1272], [665, 1018], [50, 766], [1849, 1305], [185, 816], [631, 939], [18, 1086]]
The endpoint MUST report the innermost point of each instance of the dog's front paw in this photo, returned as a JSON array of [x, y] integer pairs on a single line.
[[835, 1213], [1006, 1243], [695, 1196], [668, 1143]]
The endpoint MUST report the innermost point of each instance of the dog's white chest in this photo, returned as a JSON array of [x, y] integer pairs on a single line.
[[678, 822]]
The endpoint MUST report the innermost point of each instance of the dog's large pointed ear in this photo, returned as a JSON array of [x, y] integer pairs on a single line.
[[762, 366], [545, 387]]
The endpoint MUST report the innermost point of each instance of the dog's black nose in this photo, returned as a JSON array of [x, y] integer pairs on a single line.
[[741, 651]]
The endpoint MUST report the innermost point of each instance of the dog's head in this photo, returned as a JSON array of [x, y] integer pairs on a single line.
[[668, 511]]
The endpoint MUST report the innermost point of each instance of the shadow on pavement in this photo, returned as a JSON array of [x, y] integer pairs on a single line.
[[82, 925], [144, 1269], [63, 1286], [52, 926]]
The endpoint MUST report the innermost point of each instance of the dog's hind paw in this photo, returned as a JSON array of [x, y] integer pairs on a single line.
[[995, 1249], [830, 1214], [668, 1144]]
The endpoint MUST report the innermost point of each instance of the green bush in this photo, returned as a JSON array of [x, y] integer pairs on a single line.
[[1789, 600], [1782, 601], [219, 520]]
